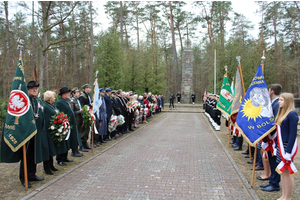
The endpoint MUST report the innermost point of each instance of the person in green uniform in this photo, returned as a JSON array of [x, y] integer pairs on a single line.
[[75, 104], [37, 146], [49, 111], [85, 99], [63, 105]]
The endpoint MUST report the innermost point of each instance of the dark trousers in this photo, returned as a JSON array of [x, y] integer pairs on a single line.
[[275, 177], [126, 122], [108, 133], [171, 103], [193, 99], [48, 164], [129, 120], [31, 166], [62, 157], [178, 98]]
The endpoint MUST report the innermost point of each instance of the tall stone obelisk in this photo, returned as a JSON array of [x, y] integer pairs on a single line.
[[187, 73]]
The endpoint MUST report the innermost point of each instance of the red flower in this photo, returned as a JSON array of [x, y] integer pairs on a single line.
[[62, 118], [61, 113], [59, 121], [58, 117], [55, 122]]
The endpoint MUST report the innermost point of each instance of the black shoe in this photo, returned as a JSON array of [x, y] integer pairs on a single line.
[[36, 179], [114, 138], [87, 146], [245, 153], [61, 163], [99, 143], [53, 168], [23, 183], [48, 171], [250, 162], [265, 185], [103, 141], [234, 145], [238, 149], [270, 188], [83, 149], [67, 160], [125, 132], [247, 156], [231, 142], [76, 154]]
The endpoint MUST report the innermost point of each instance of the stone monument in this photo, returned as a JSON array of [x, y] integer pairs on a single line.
[[187, 73]]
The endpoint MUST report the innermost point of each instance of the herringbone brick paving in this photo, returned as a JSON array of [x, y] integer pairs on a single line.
[[175, 157]]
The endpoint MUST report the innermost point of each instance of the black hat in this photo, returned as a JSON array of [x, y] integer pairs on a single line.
[[63, 90], [101, 90], [107, 89], [32, 84]]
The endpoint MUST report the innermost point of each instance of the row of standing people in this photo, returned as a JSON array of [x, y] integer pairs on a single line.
[[42, 147], [212, 112]]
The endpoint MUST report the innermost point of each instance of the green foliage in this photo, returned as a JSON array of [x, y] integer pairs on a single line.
[[3, 111]]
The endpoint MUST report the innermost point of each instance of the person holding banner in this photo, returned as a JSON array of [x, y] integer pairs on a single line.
[[287, 121], [37, 147]]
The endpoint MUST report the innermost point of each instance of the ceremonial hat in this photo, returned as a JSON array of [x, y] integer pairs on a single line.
[[74, 90], [101, 90], [86, 86], [107, 89], [63, 90], [113, 92], [32, 84]]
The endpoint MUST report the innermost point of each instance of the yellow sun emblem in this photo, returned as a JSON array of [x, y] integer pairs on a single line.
[[251, 111]]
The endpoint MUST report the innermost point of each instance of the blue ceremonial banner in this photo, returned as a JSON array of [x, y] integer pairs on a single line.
[[97, 99], [255, 118]]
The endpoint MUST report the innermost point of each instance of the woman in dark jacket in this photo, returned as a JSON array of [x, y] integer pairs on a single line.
[[49, 111]]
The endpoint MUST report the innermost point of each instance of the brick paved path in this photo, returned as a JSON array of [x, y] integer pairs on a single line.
[[175, 157]]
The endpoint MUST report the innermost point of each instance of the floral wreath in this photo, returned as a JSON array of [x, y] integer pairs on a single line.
[[59, 127], [88, 116]]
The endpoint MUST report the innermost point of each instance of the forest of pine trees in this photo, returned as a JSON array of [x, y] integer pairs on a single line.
[[143, 45]]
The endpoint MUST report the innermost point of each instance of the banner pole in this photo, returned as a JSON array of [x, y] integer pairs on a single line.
[[92, 132], [254, 163], [229, 134], [25, 166], [250, 154]]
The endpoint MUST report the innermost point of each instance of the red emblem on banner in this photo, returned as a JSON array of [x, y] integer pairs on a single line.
[[18, 103]]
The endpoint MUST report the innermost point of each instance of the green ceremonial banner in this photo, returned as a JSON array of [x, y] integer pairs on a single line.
[[225, 99], [19, 124]]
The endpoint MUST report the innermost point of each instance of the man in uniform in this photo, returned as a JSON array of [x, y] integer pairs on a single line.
[[193, 97], [34, 147], [121, 101], [85, 99], [63, 104], [75, 104]]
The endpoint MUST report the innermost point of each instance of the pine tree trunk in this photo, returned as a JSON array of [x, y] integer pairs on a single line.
[[121, 21], [92, 44]]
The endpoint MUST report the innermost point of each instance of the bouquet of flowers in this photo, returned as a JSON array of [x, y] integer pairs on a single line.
[[151, 107], [130, 106], [59, 127], [113, 123], [88, 116], [121, 120]]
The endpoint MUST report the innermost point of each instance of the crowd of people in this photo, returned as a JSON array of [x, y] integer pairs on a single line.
[[211, 111], [69, 123]]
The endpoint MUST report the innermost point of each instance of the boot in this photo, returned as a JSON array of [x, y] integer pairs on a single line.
[[85, 145], [83, 149]]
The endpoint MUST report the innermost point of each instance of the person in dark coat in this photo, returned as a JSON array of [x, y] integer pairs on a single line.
[[178, 97], [102, 116], [77, 109], [121, 101], [172, 97], [85, 99], [63, 105], [193, 98], [49, 111], [109, 108], [37, 143], [117, 111]]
